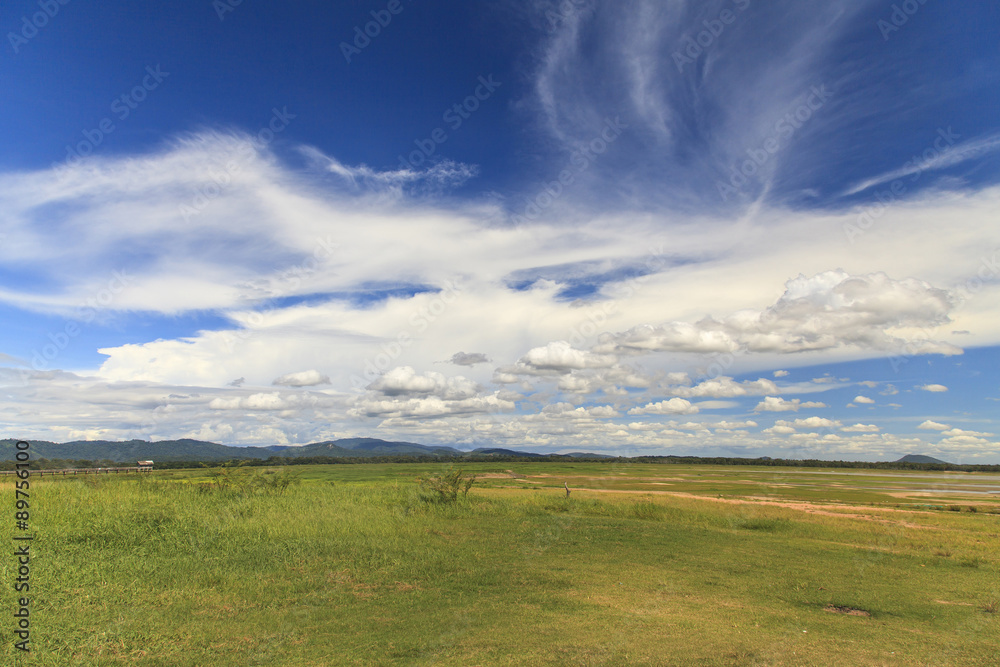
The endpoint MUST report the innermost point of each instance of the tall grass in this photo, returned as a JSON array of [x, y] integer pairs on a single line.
[[185, 570]]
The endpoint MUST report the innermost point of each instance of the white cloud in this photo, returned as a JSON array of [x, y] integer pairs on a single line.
[[823, 312], [673, 406], [429, 407], [956, 432], [816, 422], [569, 411], [777, 404], [726, 387], [781, 374], [311, 378], [405, 381], [861, 428], [864, 400], [936, 388], [280, 234], [933, 426], [732, 426], [556, 358]]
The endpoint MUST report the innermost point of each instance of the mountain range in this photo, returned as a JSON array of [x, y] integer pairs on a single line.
[[198, 450], [186, 449]]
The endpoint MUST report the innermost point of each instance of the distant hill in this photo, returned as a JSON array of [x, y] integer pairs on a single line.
[[920, 458], [496, 451], [134, 450], [353, 447]]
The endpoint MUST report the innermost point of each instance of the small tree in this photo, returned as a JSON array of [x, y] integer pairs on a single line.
[[444, 488]]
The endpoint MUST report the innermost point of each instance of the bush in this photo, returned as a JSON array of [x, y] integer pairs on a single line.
[[444, 488]]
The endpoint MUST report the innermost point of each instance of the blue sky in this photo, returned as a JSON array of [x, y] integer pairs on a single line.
[[635, 227]]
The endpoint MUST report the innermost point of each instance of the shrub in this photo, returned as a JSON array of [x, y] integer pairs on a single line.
[[444, 488]]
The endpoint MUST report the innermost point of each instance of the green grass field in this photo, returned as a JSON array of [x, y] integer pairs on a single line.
[[641, 565]]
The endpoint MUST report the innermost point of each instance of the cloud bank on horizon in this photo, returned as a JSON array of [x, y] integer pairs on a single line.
[[722, 227]]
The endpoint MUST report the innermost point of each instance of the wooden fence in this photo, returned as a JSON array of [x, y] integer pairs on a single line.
[[80, 471]]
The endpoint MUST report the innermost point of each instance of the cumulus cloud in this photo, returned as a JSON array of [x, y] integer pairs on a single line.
[[777, 404], [311, 378], [824, 312], [936, 388], [559, 357], [933, 426], [404, 394], [960, 439], [727, 387], [673, 406], [864, 400], [405, 381], [781, 374]]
